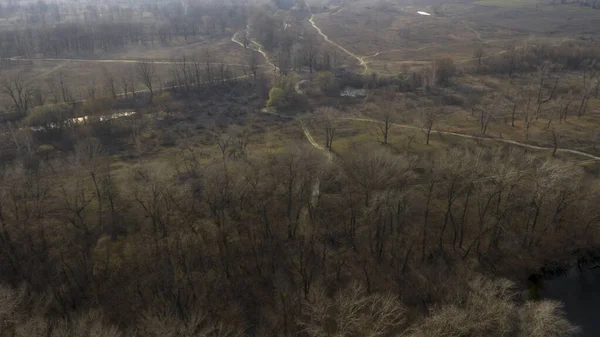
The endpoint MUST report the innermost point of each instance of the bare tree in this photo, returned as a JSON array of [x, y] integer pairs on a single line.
[[555, 141], [353, 312], [479, 54], [208, 64], [125, 83], [39, 96], [515, 99], [545, 318], [428, 117], [110, 85], [19, 91], [589, 73], [386, 113], [327, 118], [60, 87], [146, 73], [91, 90], [545, 74], [311, 51], [488, 111], [252, 62]]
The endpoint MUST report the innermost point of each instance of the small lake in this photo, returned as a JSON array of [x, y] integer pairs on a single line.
[[579, 290], [353, 92], [82, 120]]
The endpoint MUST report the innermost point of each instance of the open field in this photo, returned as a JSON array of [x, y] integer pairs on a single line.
[[390, 34]]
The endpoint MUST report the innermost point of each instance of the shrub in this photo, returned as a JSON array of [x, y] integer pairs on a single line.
[[276, 98], [49, 114], [98, 105], [327, 83]]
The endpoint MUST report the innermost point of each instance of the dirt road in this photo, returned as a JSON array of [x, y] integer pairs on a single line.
[[501, 140], [258, 49]]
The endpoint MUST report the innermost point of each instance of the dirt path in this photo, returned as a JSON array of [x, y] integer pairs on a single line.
[[67, 60], [259, 49], [46, 73], [472, 30], [95, 60], [393, 50], [501, 140], [360, 60]]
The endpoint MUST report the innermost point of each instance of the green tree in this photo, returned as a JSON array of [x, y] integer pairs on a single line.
[[276, 98], [327, 83]]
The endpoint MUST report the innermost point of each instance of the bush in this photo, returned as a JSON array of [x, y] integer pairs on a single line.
[[49, 114], [98, 105], [545, 319], [327, 83], [276, 98], [445, 70], [489, 309]]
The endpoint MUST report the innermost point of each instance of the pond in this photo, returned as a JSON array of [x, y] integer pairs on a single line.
[[353, 92], [83, 119], [579, 290]]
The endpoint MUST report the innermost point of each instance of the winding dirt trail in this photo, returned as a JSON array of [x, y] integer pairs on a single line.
[[258, 49], [360, 60], [501, 140], [393, 50], [472, 30]]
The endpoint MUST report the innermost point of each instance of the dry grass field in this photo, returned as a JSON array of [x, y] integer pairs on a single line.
[[391, 35]]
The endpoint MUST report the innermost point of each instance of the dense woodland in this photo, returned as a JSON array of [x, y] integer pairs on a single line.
[[270, 245], [375, 241]]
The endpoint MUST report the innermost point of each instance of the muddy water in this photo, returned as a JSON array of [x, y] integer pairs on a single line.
[[579, 290]]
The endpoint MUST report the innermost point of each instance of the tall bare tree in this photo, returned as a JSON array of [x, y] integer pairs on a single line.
[[19, 91], [110, 85], [386, 113], [545, 75], [326, 117], [125, 83], [488, 111], [428, 117], [146, 73], [590, 71], [479, 54]]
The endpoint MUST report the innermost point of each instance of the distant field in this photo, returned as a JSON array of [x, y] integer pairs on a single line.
[[509, 3], [391, 36]]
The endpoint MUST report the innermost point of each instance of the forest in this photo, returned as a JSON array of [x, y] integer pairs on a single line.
[[209, 194]]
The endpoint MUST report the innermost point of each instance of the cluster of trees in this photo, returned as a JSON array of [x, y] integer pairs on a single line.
[[292, 46], [552, 94], [91, 37], [283, 243], [188, 74], [587, 3], [528, 57]]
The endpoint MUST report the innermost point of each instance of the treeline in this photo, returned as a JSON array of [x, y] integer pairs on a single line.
[[80, 38], [41, 104], [587, 3], [286, 243], [528, 57]]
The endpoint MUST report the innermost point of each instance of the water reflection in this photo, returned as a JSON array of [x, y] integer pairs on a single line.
[[579, 290]]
